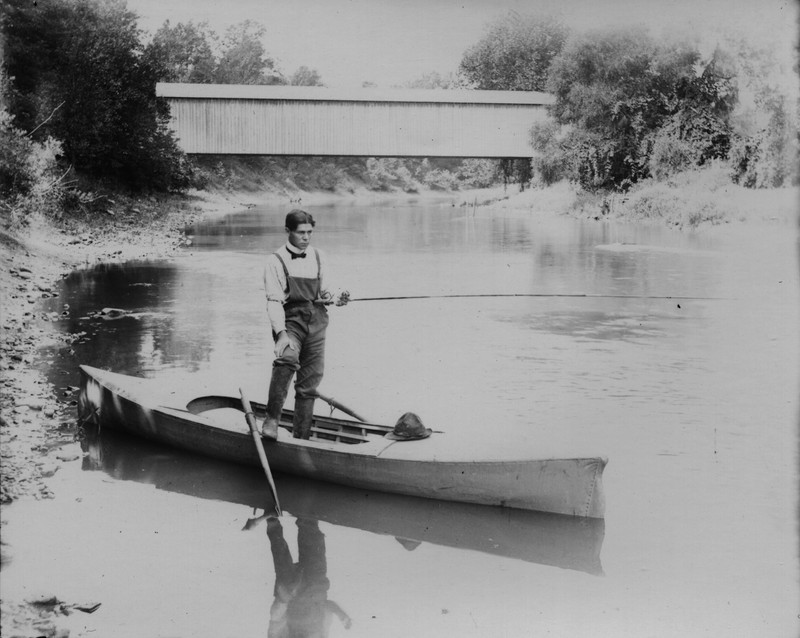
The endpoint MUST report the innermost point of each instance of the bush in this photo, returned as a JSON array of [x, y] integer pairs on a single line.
[[670, 155], [16, 151], [440, 179], [653, 201], [329, 176], [29, 181], [478, 173], [767, 159], [551, 162], [687, 199], [386, 174]]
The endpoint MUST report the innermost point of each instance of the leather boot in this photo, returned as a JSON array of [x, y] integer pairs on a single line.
[[303, 418], [278, 389]]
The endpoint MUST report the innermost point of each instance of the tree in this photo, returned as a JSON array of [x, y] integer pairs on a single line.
[[91, 88], [620, 91], [306, 77], [434, 80], [765, 142], [515, 54], [31, 44], [185, 51], [243, 59]]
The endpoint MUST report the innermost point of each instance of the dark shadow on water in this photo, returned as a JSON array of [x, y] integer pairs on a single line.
[[547, 539], [301, 606], [142, 327]]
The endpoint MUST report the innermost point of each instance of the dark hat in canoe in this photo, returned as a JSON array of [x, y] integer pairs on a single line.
[[408, 428]]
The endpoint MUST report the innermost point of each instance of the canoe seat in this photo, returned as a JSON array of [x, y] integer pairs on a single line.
[[338, 434], [321, 430]]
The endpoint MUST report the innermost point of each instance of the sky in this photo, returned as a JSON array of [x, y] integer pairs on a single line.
[[392, 42]]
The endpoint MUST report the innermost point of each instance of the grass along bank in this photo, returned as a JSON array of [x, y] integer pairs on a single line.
[[688, 201]]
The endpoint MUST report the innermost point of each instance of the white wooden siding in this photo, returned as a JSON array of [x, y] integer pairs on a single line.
[[231, 119]]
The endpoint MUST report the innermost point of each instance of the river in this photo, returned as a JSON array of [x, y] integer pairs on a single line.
[[680, 364]]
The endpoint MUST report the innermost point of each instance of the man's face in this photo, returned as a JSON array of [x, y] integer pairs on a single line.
[[301, 237]]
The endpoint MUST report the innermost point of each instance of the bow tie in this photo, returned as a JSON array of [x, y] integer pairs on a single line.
[[298, 255]]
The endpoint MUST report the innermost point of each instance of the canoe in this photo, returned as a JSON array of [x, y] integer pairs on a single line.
[[344, 451], [552, 540]]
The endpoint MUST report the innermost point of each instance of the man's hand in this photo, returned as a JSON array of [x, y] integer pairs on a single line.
[[282, 343], [343, 298]]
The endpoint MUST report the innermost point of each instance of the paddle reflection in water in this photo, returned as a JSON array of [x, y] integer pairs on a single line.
[[546, 539]]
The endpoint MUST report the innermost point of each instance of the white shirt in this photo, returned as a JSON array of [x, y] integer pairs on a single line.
[[276, 286]]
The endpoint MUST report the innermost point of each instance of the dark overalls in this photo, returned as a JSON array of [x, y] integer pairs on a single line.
[[306, 322]]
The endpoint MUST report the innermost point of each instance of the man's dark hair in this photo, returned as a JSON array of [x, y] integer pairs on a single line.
[[296, 217]]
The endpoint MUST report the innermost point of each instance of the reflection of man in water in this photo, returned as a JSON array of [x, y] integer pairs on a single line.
[[301, 608]]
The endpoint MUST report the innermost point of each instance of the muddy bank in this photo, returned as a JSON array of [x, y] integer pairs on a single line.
[[38, 426], [35, 419]]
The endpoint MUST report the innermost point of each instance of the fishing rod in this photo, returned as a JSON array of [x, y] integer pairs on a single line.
[[572, 295]]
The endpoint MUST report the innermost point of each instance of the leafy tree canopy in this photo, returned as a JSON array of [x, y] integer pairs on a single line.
[[620, 91], [515, 54], [186, 52], [434, 80], [80, 76], [306, 77], [244, 59]]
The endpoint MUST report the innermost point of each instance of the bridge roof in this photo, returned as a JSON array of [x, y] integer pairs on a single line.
[[318, 93]]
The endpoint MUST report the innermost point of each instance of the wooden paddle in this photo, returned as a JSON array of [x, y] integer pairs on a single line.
[[334, 403], [251, 421]]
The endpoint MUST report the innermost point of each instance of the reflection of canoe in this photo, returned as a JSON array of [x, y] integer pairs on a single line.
[[547, 539], [344, 451]]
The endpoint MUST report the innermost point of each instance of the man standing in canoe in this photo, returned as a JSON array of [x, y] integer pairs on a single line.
[[298, 316]]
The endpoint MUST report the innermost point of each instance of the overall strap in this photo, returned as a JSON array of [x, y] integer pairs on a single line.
[[286, 270], [283, 263]]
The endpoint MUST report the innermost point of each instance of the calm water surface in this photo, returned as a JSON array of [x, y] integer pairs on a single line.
[[694, 401]]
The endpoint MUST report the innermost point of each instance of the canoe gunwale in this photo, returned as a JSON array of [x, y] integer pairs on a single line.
[[571, 486]]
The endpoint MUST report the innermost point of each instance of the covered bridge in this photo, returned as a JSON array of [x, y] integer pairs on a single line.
[[301, 120]]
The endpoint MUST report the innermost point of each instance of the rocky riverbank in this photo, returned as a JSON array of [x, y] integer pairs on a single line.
[[38, 422], [36, 419]]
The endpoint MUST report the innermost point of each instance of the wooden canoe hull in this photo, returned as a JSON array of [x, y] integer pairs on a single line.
[[571, 486], [566, 542]]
